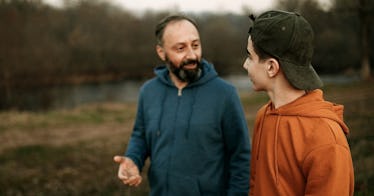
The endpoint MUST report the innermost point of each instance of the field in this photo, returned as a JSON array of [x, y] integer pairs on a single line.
[[69, 152]]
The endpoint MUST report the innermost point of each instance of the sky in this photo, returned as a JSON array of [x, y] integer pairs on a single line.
[[218, 6]]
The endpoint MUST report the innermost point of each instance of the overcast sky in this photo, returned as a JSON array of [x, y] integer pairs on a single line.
[[234, 6]]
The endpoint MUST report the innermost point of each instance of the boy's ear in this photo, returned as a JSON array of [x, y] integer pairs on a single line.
[[161, 53], [272, 67]]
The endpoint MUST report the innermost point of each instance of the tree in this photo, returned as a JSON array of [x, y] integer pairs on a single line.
[[363, 11], [364, 8]]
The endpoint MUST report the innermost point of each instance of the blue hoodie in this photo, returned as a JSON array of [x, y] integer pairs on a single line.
[[197, 139]]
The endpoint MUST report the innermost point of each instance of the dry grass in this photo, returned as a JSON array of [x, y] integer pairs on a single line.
[[69, 152]]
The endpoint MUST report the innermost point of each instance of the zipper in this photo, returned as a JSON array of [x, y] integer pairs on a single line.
[[170, 159]]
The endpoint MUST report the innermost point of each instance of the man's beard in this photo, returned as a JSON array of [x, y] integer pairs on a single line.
[[185, 75]]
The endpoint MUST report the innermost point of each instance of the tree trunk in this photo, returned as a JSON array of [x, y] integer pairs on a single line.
[[365, 56]]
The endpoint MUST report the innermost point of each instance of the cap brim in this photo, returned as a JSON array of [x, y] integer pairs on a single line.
[[301, 77]]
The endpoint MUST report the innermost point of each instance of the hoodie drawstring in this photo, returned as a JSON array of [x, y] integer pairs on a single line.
[[161, 111], [276, 149], [194, 92], [259, 137]]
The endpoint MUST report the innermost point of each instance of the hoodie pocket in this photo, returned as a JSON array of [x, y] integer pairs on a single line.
[[183, 185], [162, 183]]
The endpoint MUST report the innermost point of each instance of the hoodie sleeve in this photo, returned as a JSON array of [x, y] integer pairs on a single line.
[[237, 146], [136, 149], [329, 168]]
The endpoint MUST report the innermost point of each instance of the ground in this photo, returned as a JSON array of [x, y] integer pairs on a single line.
[[69, 152]]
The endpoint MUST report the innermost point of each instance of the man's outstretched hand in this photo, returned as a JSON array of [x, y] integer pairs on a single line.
[[128, 172]]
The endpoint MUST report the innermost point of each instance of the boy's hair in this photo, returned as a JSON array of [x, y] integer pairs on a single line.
[[262, 55]]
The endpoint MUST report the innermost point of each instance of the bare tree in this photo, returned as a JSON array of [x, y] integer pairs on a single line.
[[364, 9]]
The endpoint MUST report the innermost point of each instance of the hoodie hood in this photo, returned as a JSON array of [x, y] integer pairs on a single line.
[[208, 73], [313, 105]]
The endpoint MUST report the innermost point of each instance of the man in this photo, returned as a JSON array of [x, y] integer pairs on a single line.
[[299, 143], [190, 123]]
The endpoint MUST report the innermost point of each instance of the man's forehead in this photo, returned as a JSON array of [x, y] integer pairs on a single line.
[[179, 26], [180, 31]]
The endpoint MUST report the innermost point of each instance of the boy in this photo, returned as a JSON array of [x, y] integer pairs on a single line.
[[299, 143]]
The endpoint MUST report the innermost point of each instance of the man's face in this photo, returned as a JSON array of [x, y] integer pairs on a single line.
[[181, 50], [256, 69]]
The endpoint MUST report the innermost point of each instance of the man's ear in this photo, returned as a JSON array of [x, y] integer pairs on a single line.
[[161, 53], [272, 67]]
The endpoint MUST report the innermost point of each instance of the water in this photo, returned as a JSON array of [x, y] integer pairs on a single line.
[[122, 91], [72, 96]]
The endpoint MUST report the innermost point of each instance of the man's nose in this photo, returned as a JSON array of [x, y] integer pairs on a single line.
[[191, 53]]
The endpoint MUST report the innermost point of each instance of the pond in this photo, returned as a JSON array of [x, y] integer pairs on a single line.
[[64, 97]]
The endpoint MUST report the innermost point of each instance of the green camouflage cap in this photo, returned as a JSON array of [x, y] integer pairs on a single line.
[[288, 37]]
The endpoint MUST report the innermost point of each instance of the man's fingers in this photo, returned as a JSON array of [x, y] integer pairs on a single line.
[[139, 181], [130, 180], [122, 175], [133, 180], [118, 159], [128, 173]]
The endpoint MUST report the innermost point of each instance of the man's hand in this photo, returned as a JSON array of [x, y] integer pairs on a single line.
[[128, 172]]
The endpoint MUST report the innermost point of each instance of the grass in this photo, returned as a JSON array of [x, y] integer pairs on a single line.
[[69, 152]]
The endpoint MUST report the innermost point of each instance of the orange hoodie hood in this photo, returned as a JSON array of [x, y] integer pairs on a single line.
[[313, 105], [295, 144]]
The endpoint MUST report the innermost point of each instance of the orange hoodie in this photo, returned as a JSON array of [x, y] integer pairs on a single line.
[[301, 149]]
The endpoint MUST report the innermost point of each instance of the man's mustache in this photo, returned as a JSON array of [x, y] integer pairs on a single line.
[[189, 61]]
